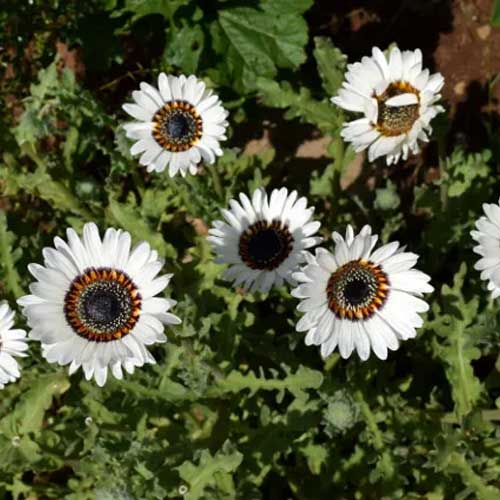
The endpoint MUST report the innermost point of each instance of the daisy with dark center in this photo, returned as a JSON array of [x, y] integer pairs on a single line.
[[487, 236], [398, 99], [94, 306], [264, 239], [12, 344], [180, 123], [358, 298]]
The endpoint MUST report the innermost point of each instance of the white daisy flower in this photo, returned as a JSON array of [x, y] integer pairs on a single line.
[[398, 99], [93, 304], [357, 298], [180, 123], [264, 240], [488, 239], [12, 343]]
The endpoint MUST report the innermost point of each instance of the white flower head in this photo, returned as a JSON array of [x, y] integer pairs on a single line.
[[179, 123], [93, 304], [488, 238], [12, 344], [357, 298], [398, 99], [264, 239]]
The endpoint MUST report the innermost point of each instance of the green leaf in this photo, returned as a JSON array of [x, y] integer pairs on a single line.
[[28, 414], [458, 464], [204, 473], [169, 391], [127, 217], [303, 378], [18, 452], [300, 105], [495, 14], [185, 47], [316, 456], [331, 64], [454, 200], [42, 185], [327, 183], [463, 170], [448, 459], [47, 81], [52, 86], [385, 467], [142, 8], [387, 198], [70, 146], [455, 325], [277, 7], [31, 128], [255, 42], [8, 258]]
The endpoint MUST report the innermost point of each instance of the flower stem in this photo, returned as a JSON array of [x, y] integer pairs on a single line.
[[11, 276], [442, 174], [459, 465], [386, 463], [216, 180]]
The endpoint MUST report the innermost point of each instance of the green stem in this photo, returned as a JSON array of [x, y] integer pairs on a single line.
[[71, 462], [490, 415], [175, 394], [386, 464], [331, 362], [443, 174], [338, 163], [338, 160], [371, 423], [459, 465], [218, 374], [52, 191], [138, 181], [12, 278], [216, 180]]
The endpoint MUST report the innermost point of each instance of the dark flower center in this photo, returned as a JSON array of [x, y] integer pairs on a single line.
[[102, 305], [357, 289], [177, 126], [265, 245]]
